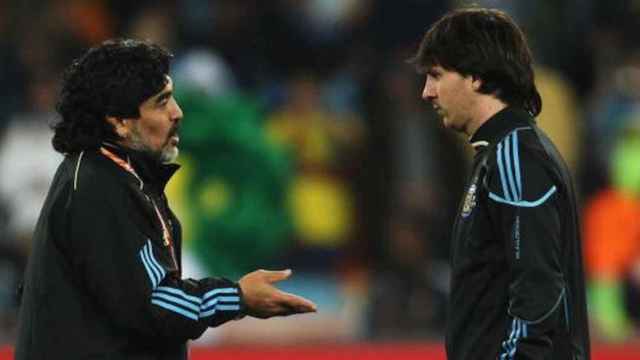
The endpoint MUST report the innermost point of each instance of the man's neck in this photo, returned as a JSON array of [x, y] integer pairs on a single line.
[[485, 108], [140, 149]]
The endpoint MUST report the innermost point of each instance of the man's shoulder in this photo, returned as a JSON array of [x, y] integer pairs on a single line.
[[518, 144], [520, 167], [92, 172]]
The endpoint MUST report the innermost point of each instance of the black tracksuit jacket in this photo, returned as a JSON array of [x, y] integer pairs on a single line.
[[101, 282], [517, 286]]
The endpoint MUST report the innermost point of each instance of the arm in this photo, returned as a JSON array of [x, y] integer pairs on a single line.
[[131, 280], [524, 206]]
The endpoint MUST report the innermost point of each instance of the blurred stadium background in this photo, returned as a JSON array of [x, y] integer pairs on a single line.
[[305, 145]]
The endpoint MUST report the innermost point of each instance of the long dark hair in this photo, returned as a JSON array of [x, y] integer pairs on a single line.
[[111, 79], [485, 44]]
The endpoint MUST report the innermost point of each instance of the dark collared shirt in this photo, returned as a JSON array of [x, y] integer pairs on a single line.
[[517, 287], [103, 280]]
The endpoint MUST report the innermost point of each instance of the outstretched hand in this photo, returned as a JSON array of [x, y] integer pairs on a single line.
[[263, 300]]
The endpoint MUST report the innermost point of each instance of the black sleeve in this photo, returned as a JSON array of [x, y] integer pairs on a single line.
[[129, 276], [524, 207]]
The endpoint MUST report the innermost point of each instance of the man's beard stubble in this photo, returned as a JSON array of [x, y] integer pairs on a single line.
[[167, 154]]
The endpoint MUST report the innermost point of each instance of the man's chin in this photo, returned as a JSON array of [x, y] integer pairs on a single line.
[[451, 125], [169, 154], [445, 122]]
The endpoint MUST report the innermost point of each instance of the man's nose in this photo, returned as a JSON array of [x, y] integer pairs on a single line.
[[429, 92], [177, 113]]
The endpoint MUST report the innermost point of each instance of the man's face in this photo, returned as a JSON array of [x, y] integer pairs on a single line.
[[156, 130], [451, 95]]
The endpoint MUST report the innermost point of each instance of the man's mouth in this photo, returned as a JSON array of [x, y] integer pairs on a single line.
[[174, 138]]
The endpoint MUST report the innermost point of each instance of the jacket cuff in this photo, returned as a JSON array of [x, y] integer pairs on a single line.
[[243, 306]]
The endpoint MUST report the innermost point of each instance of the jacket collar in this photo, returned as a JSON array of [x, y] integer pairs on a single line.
[[146, 166], [500, 124]]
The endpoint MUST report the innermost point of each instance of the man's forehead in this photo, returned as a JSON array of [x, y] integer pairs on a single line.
[[167, 89], [168, 86], [434, 68]]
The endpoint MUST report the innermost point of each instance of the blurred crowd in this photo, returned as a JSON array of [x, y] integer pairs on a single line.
[[305, 143]]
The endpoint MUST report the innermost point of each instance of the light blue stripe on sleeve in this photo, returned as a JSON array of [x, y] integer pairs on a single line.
[[176, 309], [509, 169], [516, 164], [181, 293], [229, 299], [214, 301], [176, 300], [518, 331], [157, 274], [522, 328], [156, 271], [209, 304], [204, 314], [221, 308], [155, 262], [507, 344], [524, 203], [503, 180], [219, 291], [514, 342], [151, 275]]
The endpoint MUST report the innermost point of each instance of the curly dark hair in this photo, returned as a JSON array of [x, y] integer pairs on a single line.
[[485, 44], [111, 79]]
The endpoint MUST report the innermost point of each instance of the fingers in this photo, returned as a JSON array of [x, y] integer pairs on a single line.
[[275, 276], [282, 304], [263, 300], [297, 304]]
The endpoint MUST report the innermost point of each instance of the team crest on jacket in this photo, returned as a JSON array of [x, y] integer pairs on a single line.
[[469, 200]]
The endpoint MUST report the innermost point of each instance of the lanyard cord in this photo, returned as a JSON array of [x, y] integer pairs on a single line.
[[123, 164], [166, 235]]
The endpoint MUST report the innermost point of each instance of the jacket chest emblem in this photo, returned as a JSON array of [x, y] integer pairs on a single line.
[[469, 200]]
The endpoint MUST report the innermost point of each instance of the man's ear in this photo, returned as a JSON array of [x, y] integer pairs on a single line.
[[120, 125], [476, 83]]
